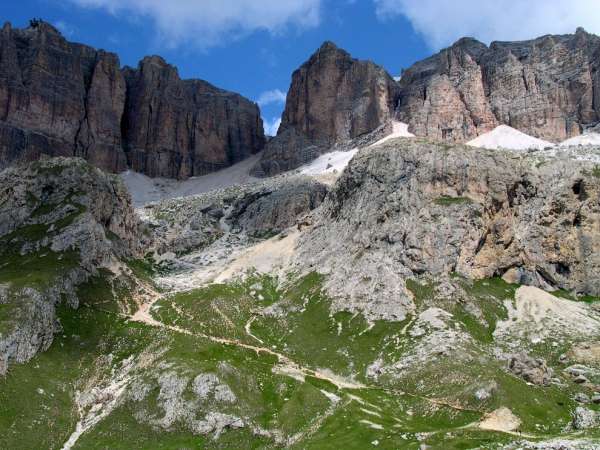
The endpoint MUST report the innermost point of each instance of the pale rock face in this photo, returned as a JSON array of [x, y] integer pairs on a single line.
[[410, 208], [546, 87]]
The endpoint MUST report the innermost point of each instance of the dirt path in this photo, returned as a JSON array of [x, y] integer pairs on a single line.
[[99, 400], [143, 315], [249, 330]]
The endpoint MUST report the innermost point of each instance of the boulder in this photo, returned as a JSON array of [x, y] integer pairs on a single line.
[[532, 370]]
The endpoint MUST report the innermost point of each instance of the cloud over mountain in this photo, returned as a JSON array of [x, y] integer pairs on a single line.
[[441, 22], [275, 96], [207, 23]]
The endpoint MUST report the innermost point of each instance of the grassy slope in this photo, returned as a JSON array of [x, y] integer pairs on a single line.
[[401, 409]]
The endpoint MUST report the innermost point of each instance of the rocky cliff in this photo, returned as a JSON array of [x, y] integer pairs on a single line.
[[58, 99], [410, 208], [64, 99], [179, 128], [333, 98], [547, 87], [61, 223]]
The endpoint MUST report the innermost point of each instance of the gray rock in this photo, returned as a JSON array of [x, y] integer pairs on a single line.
[[258, 209], [204, 384], [207, 384], [410, 208], [584, 418], [83, 217], [271, 210], [580, 397], [215, 422], [532, 370]]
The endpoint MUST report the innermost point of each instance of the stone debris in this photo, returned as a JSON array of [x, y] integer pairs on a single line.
[[532, 370], [584, 418], [502, 419]]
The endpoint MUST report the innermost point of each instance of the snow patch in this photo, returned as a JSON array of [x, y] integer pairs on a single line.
[[583, 139], [507, 137], [399, 129], [144, 189], [333, 162]]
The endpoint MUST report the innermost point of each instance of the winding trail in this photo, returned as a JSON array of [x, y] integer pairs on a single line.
[[89, 418], [249, 331], [143, 315]]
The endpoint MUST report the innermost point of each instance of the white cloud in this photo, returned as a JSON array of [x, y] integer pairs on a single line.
[[206, 23], [271, 126], [66, 29], [442, 22], [270, 97]]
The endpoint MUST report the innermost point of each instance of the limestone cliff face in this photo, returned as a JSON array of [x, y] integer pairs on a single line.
[[178, 128], [63, 99], [410, 208], [548, 87], [58, 99], [61, 222], [332, 98]]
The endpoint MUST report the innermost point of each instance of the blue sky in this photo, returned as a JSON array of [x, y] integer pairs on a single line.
[[253, 46]]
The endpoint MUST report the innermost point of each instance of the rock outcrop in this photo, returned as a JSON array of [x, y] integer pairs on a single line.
[[547, 87], [258, 210], [61, 220], [410, 208], [332, 99], [269, 209], [64, 99]]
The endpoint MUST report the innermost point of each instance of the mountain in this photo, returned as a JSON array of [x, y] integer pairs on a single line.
[[177, 128], [398, 292], [547, 87], [436, 295], [63, 99], [332, 99]]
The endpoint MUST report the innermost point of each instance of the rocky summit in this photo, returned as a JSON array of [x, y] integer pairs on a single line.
[[64, 99], [546, 87], [333, 99], [367, 281]]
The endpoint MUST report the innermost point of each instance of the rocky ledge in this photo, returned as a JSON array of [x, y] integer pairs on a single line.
[[61, 222]]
